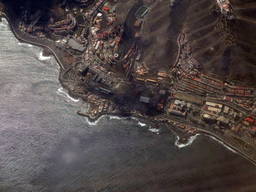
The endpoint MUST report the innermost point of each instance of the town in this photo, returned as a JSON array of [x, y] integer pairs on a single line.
[[105, 69]]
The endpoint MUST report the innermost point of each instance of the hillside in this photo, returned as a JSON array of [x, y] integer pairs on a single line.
[[214, 50]]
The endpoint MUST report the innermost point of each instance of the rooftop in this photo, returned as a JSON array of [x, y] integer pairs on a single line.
[[75, 45]]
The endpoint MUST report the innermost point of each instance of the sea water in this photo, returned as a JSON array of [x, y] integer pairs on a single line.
[[46, 146]]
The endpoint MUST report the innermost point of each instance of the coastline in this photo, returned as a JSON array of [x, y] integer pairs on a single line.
[[183, 137], [62, 63]]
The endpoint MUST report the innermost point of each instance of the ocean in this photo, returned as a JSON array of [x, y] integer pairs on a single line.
[[45, 146]]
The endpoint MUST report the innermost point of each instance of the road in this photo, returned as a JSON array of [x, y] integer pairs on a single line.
[[46, 43]]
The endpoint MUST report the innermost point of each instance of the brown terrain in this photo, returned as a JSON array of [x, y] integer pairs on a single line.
[[159, 33], [217, 54], [210, 47]]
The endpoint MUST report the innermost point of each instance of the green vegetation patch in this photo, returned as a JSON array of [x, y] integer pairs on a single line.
[[78, 31], [80, 19], [187, 98], [141, 11]]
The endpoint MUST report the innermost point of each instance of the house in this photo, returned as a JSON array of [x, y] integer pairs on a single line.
[[144, 99]]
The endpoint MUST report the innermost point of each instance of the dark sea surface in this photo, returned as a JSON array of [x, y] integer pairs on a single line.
[[45, 146]]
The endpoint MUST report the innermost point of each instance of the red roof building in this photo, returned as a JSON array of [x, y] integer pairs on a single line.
[[249, 119], [105, 8]]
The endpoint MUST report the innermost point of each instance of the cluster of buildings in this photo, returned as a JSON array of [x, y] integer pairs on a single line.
[[82, 37], [91, 12], [128, 61], [184, 61], [227, 29], [248, 124], [141, 69], [225, 26], [246, 103], [224, 6], [236, 91], [148, 80], [105, 44], [190, 80], [63, 27], [196, 82], [29, 29], [97, 78], [179, 108], [222, 114], [98, 105]]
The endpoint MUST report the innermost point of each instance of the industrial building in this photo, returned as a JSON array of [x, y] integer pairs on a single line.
[[212, 109], [225, 109], [144, 99], [75, 45], [208, 118], [221, 120], [252, 131], [214, 104], [84, 70], [179, 108], [176, 110]]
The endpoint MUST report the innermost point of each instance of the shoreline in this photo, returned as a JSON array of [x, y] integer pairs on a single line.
[[182, 136], [72, 94]]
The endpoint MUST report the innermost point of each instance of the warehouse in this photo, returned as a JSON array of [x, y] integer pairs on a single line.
[[213, 104], [75, 45]]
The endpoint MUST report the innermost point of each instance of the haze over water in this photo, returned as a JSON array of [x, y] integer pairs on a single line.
[[45, 146]]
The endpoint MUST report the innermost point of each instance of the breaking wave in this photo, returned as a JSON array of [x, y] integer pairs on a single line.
[[25, 44], [192, 138], [60, 91], [93, 123], [189, 142], [43, 58], [142, 124], [154, 130], [230, 149], [111, 117], [4, 22]]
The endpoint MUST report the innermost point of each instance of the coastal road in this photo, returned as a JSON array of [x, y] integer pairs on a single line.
[[226, 138], [46, 43]]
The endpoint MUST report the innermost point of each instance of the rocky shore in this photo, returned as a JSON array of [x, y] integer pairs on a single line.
[[49, 45]]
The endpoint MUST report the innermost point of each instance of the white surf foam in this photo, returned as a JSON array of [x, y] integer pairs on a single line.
[[189, 142], [4, 22], [43, 58], [222, 144], [134, 118], [142, 124], [61, 91], [25, 44], [154, 130], [111, 117], [93, 123]]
